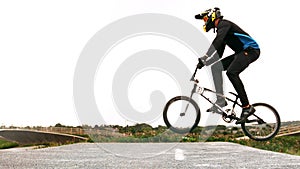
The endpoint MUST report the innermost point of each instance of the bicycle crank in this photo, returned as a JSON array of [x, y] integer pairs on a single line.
[[229, 117]]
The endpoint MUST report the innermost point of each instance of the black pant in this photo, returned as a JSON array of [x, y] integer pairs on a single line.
[[234, 64]]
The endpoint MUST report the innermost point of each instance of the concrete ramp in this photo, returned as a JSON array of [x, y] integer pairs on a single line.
[[26, 137]]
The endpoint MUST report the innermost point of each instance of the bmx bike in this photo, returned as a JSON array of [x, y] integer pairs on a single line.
[[181, 114]]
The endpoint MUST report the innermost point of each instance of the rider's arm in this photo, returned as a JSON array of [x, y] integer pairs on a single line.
[[215, 56]]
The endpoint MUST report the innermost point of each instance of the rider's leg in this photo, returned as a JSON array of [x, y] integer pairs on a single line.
[[240, 63], [217, 69]]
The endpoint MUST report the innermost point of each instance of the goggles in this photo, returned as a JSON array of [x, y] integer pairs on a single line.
[[205, 18]]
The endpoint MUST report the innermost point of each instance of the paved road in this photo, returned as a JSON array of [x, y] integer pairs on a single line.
[[153, 155]]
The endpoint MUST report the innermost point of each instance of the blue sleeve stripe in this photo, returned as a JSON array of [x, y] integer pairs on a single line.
[[247, 41]]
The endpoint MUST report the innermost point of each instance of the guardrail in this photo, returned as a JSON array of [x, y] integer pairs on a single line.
[[27, 137], [64, 130], [288, 130]]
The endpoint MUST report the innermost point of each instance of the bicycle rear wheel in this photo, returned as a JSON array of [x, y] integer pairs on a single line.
[[181, 114], [264, 124]]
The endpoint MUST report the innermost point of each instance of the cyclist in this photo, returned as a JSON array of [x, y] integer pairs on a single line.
[[246, 51]]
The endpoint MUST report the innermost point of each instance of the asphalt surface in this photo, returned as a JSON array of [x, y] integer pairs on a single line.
[[146, 155]]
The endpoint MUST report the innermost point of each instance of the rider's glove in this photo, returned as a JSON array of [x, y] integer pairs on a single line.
[[202, 61]]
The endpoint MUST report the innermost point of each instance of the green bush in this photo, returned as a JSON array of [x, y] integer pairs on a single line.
[[285, 144], [7, 144]]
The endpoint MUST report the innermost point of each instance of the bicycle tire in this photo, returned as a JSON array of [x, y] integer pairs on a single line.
[[167, 112], [268, 124]]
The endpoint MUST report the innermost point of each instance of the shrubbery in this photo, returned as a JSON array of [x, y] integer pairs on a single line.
[[7, 144]]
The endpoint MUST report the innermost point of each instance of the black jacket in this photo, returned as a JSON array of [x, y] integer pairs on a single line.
[[228, 33]]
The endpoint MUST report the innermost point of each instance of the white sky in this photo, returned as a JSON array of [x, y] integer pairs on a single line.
[[40, 42]]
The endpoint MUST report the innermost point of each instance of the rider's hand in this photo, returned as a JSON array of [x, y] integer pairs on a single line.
[[200, 63], [203, 59]]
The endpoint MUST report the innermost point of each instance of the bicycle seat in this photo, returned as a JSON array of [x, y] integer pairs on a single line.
[[234, 94]]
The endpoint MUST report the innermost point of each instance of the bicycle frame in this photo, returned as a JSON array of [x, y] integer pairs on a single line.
[[201, 90]]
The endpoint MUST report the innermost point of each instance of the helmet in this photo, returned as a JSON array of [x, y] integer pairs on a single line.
[[209, 16]]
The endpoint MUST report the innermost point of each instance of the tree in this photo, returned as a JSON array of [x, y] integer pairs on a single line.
[[59, 125]]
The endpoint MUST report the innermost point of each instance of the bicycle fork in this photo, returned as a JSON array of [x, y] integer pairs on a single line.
[[183, 113], [191, 96]]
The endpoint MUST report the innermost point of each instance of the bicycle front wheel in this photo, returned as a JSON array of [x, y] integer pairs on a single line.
[[181, 114], [264, 124]]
